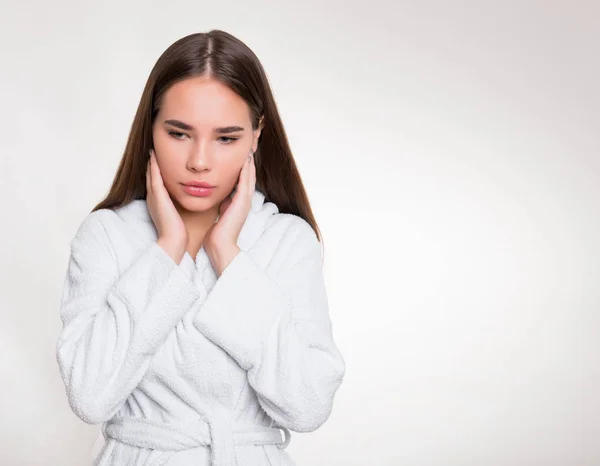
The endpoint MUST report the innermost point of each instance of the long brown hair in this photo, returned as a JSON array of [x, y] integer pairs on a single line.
[[225, 58]]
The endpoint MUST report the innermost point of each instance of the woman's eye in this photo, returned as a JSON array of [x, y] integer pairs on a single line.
[[176, 134], [224, 139]]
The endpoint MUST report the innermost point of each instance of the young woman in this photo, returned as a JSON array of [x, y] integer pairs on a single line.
[[195, 317]]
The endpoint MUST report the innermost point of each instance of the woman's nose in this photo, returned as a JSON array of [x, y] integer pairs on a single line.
[[199, 157]]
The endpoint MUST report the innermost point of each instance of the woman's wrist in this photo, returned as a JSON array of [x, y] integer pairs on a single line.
[[173, 248], [220, 257]]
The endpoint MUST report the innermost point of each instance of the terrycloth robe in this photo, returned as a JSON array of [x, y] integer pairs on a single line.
[[184, 368]]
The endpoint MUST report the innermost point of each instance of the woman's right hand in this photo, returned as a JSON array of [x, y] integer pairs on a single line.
[[173, 236]]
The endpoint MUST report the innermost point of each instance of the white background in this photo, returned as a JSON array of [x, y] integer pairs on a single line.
[[451, 152]]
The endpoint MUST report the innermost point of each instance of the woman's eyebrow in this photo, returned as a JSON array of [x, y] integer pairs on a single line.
[[186, 127]]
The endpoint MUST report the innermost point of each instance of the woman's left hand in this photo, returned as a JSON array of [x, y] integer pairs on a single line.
[[220, 241]]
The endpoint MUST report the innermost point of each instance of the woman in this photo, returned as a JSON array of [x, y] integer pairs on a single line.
[[195, 319]]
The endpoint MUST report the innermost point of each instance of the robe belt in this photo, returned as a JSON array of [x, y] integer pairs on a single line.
[[176, 436]]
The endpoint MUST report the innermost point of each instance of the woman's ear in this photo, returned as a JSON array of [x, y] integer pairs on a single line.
[[257, 134]]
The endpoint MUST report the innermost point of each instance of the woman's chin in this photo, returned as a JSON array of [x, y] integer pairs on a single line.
[[197, 204]]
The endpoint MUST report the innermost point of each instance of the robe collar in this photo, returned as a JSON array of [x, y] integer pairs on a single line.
[[136, 215]]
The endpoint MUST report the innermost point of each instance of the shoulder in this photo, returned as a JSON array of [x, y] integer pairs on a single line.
[[95, 223], [292, 228], [291, 237], [107, 223], [92, 232], [106, 229]]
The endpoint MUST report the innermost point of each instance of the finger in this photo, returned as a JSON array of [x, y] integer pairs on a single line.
[[156, 178], [252, 175], [246, 175], [240, 186], [243, 183], [153, 171], [149, 174], [223, 206]]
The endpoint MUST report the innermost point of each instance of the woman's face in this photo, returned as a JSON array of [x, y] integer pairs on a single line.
[[202, 132]]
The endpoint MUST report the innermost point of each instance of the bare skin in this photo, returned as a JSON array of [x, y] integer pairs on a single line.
[[202, 153]]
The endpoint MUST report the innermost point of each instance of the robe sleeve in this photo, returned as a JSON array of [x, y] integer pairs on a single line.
[[276, 325], [112, 323]]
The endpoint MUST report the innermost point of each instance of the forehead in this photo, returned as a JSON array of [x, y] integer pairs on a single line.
[[200, 100]]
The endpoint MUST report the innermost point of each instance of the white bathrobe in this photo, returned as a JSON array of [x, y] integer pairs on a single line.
[[183, 368]]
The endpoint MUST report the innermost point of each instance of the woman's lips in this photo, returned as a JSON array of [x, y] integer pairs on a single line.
[[198, 190]]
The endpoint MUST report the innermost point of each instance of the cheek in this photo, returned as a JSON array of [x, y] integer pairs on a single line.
[[232, 169], [167, 171]]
